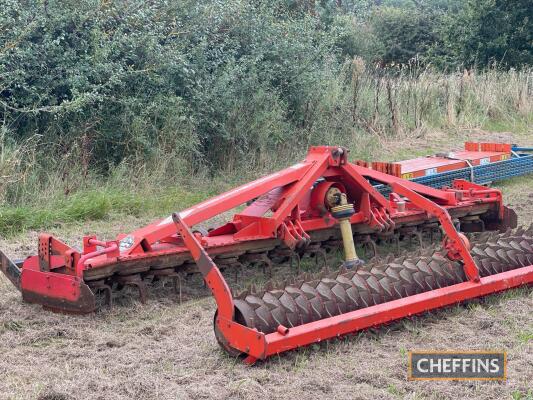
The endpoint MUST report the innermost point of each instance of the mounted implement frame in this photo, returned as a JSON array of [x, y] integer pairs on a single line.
[[289, 214], [236, 337]]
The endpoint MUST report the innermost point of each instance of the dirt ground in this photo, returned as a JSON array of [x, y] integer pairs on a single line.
[[166, 350]]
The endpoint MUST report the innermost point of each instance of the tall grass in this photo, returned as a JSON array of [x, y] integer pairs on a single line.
[[360, 108], [95, 205], [412, 100]]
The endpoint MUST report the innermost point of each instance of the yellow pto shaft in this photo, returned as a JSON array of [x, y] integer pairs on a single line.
[[343, 213]]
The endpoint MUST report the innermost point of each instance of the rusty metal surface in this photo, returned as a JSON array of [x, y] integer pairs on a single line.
[[83, 305], [510, 219], [10, 270], [183, 262]]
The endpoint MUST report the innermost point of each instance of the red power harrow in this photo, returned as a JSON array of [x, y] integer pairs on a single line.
[[289, 214]]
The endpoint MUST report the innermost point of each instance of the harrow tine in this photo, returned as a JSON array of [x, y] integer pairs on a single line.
[[269, 285], [252, 289], [295, 256], [102, 286], [135, 280], [177, 286], [322, 254]]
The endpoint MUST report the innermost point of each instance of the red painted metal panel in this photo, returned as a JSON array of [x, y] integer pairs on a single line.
[[383, 313], [51, 284]]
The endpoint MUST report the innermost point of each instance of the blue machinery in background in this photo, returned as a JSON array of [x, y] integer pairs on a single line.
[[519, 164], [518, 148]]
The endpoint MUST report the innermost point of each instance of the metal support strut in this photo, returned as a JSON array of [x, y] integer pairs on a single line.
[[456, 243]]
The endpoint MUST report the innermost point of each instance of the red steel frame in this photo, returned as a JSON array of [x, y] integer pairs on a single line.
[[257, 345], [56, 277], [292, 186]]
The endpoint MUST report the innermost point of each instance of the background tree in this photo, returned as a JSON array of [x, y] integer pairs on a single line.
[[215, 82], [489, 31]]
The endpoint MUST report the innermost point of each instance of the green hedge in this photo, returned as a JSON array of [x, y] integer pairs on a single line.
[[190, 86]]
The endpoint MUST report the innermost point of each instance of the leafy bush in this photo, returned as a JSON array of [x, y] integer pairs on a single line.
[[487, 32], [145, 93], [403, 34], [106, 81]]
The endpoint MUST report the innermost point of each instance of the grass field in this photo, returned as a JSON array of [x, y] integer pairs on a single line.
[[167, 350]]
